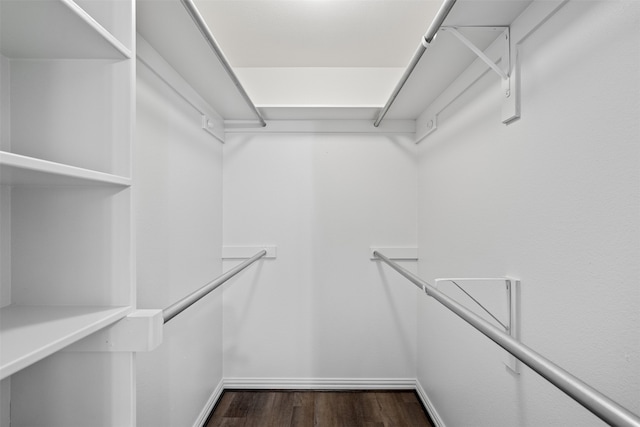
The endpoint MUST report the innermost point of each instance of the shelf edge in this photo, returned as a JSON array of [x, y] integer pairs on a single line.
[[27, 163], [28, 359], [98, 28]]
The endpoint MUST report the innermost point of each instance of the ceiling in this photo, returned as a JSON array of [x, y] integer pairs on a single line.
[[318, 33]]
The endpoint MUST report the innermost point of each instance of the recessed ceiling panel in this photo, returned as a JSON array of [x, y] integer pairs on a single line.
[[318, 33]]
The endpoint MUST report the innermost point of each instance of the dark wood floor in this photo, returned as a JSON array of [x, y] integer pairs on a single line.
[[275, 408]]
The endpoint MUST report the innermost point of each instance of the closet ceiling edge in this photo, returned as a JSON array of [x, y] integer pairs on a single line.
[[328, 126]]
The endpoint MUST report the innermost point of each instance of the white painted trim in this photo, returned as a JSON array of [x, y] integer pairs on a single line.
[[321, 383], [211, 403], [435, 417], [393, 127]]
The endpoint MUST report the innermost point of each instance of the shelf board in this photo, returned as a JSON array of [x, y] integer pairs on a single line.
[[16, 169], [168, 28], [447, 58], [54, 29], [31, 333]]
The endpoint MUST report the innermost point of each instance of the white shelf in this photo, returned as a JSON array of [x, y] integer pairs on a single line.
[[16, 169], [30, 333], [447, 58], [58, 29], [168, 28]]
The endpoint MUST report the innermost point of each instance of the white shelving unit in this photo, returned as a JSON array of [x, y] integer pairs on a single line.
[[67, 85]]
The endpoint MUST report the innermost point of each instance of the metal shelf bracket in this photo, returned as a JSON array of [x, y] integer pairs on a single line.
[[511, 325], [506, 64], [507, 69]]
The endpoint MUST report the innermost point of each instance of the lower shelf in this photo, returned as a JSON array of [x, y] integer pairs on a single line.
[[31, 333]]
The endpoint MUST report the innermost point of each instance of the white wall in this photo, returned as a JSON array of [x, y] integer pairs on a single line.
[[553, 199], [5, 190], [178, 183], [322, 310]]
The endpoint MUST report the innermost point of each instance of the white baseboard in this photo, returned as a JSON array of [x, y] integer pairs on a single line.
[[213, 399], [321, 383], [435, 417]]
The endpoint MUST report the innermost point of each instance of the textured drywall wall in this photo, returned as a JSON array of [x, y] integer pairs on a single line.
[[322, 310], [178, 184], [552, 199]]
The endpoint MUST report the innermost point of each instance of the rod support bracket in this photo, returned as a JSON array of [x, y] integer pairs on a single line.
[[140, 331], [510, 320], [244, 252], [398, 253]]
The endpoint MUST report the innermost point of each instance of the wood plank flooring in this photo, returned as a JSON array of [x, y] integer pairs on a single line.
[[287, 408]]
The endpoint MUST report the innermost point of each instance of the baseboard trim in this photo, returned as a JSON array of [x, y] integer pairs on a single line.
[[435, 417], [321, 383], [211, 403]]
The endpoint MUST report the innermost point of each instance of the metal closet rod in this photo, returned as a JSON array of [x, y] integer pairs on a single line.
[[178, 307], [206, 33], [444, 10], [600, 405]]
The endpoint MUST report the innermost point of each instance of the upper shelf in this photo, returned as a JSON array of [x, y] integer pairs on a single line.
[[60, 29], [167, 26], [446, 58]]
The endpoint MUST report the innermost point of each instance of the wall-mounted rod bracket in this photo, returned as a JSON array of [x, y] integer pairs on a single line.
[[140, 331], [179, 306], [244, 252], [209, 126], [509, 322], [397, 253]]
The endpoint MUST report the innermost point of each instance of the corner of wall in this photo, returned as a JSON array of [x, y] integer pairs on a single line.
[[431, 409], [211, 404]]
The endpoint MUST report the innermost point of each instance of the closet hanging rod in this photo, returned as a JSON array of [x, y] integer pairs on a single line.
[[444, 10], [600, 405], [179, 306], [208, 36]]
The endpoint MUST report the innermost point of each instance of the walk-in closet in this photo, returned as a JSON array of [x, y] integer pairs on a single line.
[[202, 197]]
